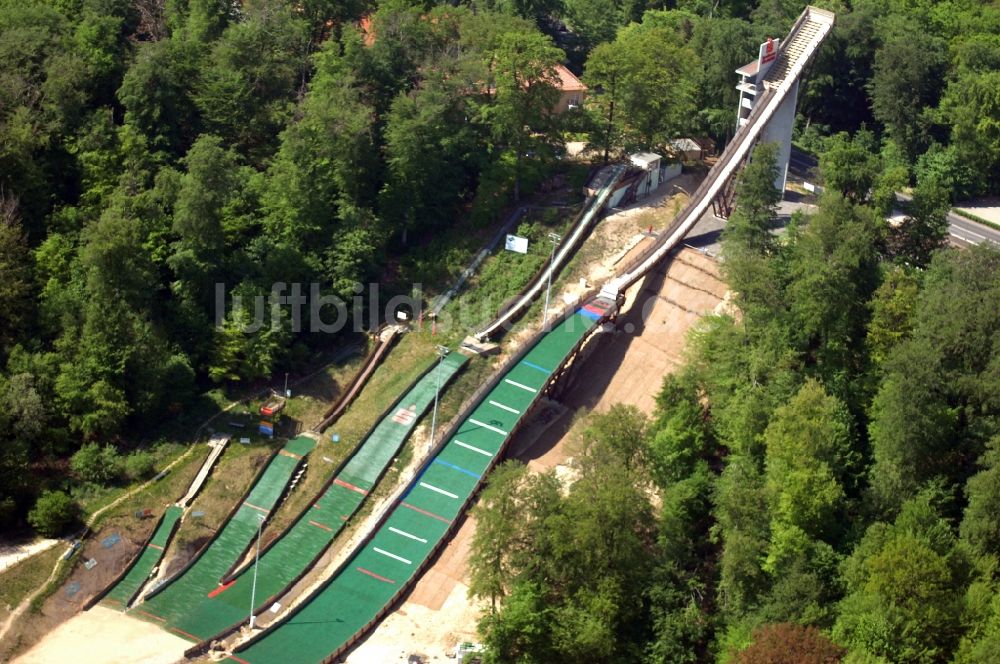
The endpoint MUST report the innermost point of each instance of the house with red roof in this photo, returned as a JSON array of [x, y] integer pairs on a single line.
[[571, 90]]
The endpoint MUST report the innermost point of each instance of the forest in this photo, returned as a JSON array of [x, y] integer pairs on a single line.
[[824, 468]]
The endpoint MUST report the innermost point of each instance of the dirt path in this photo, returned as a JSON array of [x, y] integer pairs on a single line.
[[12, 554]]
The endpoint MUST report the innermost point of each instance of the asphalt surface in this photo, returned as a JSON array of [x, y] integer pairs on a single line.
[[961, 231], [964, 232]]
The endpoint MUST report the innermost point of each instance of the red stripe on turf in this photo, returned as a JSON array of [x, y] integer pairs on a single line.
[[316, 506], [221, 589], [187, 634], [155, 546], [289, 454], [238, 659], [375, 576], [350, 486], [594, 310], [147, 613], [343, 517], [320, 525], [425, 512], [255, 507]]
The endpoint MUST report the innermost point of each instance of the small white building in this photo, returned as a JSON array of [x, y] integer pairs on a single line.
[[649, 162]]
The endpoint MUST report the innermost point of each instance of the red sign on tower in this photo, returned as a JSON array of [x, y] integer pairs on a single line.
[[768, 52]]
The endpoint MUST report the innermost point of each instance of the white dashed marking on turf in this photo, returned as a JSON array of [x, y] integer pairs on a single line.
[[522, 386], [441, 491], [487, 426], [507, 408], [406, 534], [392, 555], [473, 448]]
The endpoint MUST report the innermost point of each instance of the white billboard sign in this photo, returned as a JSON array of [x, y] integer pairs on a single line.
[[516, 243]]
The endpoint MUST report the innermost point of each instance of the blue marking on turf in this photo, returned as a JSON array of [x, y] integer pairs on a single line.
[[414, 483], [458, 468], [589, 314], [535, 366]]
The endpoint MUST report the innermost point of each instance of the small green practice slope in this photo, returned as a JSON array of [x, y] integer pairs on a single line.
[[126, 589], [224, 606], [371, 579], [171, 603]]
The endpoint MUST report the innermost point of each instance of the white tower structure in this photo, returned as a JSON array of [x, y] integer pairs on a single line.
[[779, 127]]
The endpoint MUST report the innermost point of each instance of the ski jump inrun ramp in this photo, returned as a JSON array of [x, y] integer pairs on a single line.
[[387, 563]]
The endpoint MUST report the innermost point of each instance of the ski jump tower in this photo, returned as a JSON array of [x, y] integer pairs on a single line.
[[779, 128], [775, 92], [775, 61]]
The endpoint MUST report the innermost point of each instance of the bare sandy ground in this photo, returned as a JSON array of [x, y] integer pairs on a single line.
[[122, 638], [12, 554]]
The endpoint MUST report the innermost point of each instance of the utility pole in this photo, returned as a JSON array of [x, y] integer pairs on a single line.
[[442, 351], [286, 385], [554, 237], [256, 560]]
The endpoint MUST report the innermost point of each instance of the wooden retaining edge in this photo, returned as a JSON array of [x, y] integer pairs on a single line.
[[372, 362]]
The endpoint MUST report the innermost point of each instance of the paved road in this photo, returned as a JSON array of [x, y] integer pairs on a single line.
[[961, 231]]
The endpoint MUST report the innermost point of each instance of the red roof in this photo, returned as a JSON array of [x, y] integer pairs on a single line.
[[568, 82], [365, 24]]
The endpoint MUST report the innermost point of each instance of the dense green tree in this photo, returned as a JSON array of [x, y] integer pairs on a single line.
[[97, 464], [979, 524], [924, 229], [892, 307], [644, 101], [809, 461], [972, 106], [903, 582], [54, 512], [925, 416], [906, 82], [594, 20], [497, 529], [157, 93], [749, 230], [245, 93], [430, 152], [850, 165], [15, 275], [523, 92]]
